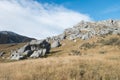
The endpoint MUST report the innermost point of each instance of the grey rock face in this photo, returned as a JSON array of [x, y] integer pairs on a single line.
[[27, 53], [39, 53], [1, 54], [36, 54], [24, 48], [83, 30], [62, 36], [59, 37], [43, 52], [72, 37], [16, 56], [116, 31], [34, 49], [86, 30], [55, 44]]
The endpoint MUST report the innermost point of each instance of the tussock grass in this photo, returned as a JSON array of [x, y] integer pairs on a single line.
[[114, 41], [94, 63], [88, 45], [61, 68]]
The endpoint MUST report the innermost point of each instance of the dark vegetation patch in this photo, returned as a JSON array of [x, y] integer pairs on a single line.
[[88, 45], [112, 41]]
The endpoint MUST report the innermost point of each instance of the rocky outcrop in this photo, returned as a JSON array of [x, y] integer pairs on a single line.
[[87, 30], [83, 30], [38, 53], [34, 49]]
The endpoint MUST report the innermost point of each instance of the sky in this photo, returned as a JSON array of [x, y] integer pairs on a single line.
[[43, 18], [96, 9]]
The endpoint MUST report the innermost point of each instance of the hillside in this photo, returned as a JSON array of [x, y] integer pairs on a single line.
[[94, 59], [96, 56], [11, 37]]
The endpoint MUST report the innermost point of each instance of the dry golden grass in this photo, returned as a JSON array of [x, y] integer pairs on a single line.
[[62, 68], [8, 47], [101, 62]]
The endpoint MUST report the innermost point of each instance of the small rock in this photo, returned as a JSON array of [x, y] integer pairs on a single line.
[[2, 53]]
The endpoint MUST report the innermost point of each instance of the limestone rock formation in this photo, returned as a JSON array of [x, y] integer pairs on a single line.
[[86, 30], [83, 30], [2, 53], [55, 44], [34, 49]]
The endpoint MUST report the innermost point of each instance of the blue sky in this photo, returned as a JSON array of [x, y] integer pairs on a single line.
[[45, 18], [97, 9]]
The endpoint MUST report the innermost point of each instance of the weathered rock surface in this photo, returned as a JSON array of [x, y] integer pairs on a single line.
[[55, 44], [39, 53], [83, 30], [34, 49], [1, 54], [86, 30], [16, 56]]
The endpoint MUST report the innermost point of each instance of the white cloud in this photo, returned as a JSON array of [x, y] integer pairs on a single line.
[[34, 19]]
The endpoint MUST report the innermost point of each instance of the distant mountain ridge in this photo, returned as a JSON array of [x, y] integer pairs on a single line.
[[11, 37]]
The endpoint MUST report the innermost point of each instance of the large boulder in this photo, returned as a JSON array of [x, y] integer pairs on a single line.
[[16, 56], [55, 44], [27, 53], [72, 37], [40, 44], [34, 49], [39, 53], [36, 54], [61, 36], [24, 48]]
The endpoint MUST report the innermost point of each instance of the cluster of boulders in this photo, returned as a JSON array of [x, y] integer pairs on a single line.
[[86, 30], [83, 30], [33, 49], [56, 38]]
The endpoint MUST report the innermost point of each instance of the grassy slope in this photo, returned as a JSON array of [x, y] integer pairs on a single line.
[[95, 63], [7, 48]]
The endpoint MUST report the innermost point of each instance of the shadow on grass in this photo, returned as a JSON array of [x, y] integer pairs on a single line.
[[53, 53]]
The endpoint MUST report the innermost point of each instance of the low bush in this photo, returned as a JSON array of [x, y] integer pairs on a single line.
[[88, 45], [102, 52], [111, 41], [75, 52]]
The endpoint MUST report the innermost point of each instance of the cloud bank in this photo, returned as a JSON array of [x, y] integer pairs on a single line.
[[34, 19]]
